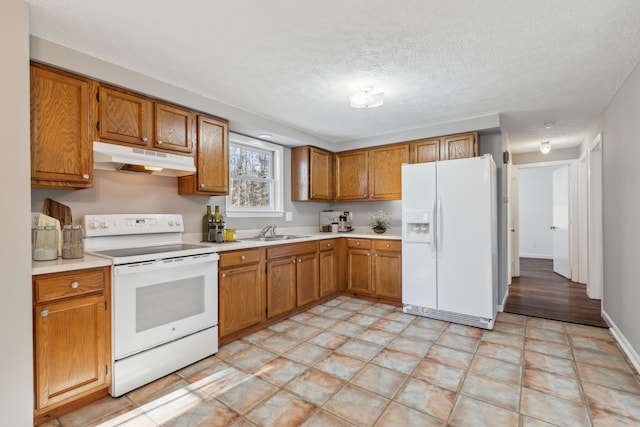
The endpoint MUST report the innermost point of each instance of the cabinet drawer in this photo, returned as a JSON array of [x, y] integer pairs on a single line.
[[68, 285], [282, 251], [387, 245], [359, 243], [328, 244], [236, 258]]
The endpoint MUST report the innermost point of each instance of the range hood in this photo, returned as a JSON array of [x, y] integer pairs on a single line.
[[120, 158]]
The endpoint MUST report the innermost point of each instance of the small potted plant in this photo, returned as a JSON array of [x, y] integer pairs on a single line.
[[379, 221]]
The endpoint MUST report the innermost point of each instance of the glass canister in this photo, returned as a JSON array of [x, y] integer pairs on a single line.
[[45, 243], [72, 243]]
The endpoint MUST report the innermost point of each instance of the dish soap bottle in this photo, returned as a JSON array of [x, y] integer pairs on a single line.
[[207, 225]]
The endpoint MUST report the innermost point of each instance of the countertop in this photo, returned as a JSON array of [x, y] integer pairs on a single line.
[[90, 261], [61, 265]]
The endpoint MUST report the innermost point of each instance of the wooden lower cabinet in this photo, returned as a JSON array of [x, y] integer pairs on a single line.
[[281, 286], [328, 267], [374, 268], [240, 298], [307, 286], [387, 269], [72, 350], [241, 295]]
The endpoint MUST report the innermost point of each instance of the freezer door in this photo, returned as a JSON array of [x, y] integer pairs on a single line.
[[464, 237], [419, 286]]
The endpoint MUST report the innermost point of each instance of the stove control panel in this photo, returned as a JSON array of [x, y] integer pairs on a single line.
[[125, 224]]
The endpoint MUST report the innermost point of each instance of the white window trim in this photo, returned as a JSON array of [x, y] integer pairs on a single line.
[[277, 210]]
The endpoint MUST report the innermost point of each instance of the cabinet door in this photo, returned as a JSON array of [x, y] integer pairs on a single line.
[[173, 128], [70, 347], [61, 152], [352, 175], [328, 272], [281, 286], [212, 160], [307, 278], [359, 271], [387, 275], [425, 150], [241, 298], [385, 166], [459, 146], [321, 174], [124, 117]]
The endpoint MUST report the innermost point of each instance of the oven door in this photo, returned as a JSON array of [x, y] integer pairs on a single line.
[[160, 301]]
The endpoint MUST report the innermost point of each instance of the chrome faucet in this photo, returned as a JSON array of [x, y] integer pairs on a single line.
[[268, 228]]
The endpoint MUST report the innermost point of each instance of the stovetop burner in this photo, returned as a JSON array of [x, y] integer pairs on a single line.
[[129, 252]]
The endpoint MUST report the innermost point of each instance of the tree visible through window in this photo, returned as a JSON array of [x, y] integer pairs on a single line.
[[252, 177]]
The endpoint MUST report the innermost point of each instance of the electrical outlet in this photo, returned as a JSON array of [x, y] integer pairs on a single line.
[[288, 216], [535, 245]]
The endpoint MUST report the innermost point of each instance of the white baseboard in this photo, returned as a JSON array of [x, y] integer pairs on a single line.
[[628, 349], [539, 256], [504, 301]]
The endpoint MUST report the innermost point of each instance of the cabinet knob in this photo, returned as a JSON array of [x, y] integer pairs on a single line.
[[159, 142], [224, 275], [368, 254], [299, 260], [376, 255], [387, 245], [328, 245], [145, 139], [201, 185], [357, 243], [243, 257], [85, 176], [44, 313], [364, 196], [294, 261], [75, 285]]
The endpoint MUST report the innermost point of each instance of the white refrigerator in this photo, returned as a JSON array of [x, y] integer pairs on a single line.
[[449, 240]]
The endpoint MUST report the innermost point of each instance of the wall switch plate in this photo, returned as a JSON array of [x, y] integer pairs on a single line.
[[288, 216]]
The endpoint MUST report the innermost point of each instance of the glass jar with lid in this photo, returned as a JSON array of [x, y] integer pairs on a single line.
[[72, 243], [45, 243]]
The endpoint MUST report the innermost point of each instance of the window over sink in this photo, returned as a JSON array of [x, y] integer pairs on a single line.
[[256, 178]]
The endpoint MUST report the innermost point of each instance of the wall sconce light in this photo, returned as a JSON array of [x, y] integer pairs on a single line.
[[366, 97], [545, 147]]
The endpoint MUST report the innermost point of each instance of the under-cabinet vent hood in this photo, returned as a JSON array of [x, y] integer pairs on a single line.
[[120, 158]]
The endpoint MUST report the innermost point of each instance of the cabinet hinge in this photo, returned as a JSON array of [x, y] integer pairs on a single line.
[[98, 96], [105, 305], [106, 369], [98, 125]]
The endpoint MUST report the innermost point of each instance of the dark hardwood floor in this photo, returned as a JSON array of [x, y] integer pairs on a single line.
[[539, 292]]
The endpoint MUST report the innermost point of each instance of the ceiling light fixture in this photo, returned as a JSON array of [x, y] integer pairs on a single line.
[[545, 147], [367, 97], [549, 125], [264, 136]]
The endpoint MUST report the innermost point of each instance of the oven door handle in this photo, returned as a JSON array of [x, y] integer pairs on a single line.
[[140, 267]]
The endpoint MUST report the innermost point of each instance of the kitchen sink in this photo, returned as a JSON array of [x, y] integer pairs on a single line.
[[275, 238]]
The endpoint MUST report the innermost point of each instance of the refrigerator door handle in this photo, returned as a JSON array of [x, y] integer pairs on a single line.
[[439, 227], [433, 230]]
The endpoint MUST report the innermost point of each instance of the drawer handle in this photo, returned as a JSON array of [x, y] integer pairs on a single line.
[[75, 285], [243, 257], [357, 243], [387, 245], [44, 313], [328, 245]]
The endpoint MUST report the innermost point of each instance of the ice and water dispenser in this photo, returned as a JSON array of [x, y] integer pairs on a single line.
[[417, 227]]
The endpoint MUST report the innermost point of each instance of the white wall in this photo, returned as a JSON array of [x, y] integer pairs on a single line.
[[16, 366], [535, 191], [620, 129]]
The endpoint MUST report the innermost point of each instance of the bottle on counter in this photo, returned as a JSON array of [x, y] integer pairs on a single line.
[[218, 226], [207, 225], [217, 216]]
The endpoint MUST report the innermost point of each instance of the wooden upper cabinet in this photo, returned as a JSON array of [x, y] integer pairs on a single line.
[[173, 128], [312, 171], [425, 150], [212, 160], [352, 175], [459, 146], [61, 137], [385, 171], [124, 117]]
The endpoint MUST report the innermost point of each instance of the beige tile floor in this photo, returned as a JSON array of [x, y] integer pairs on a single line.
[[353, 362]]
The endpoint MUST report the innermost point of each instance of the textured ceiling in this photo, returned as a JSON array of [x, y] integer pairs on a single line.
[[296, 62]]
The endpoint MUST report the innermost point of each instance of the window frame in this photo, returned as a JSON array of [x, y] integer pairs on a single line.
[[277, 197]]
